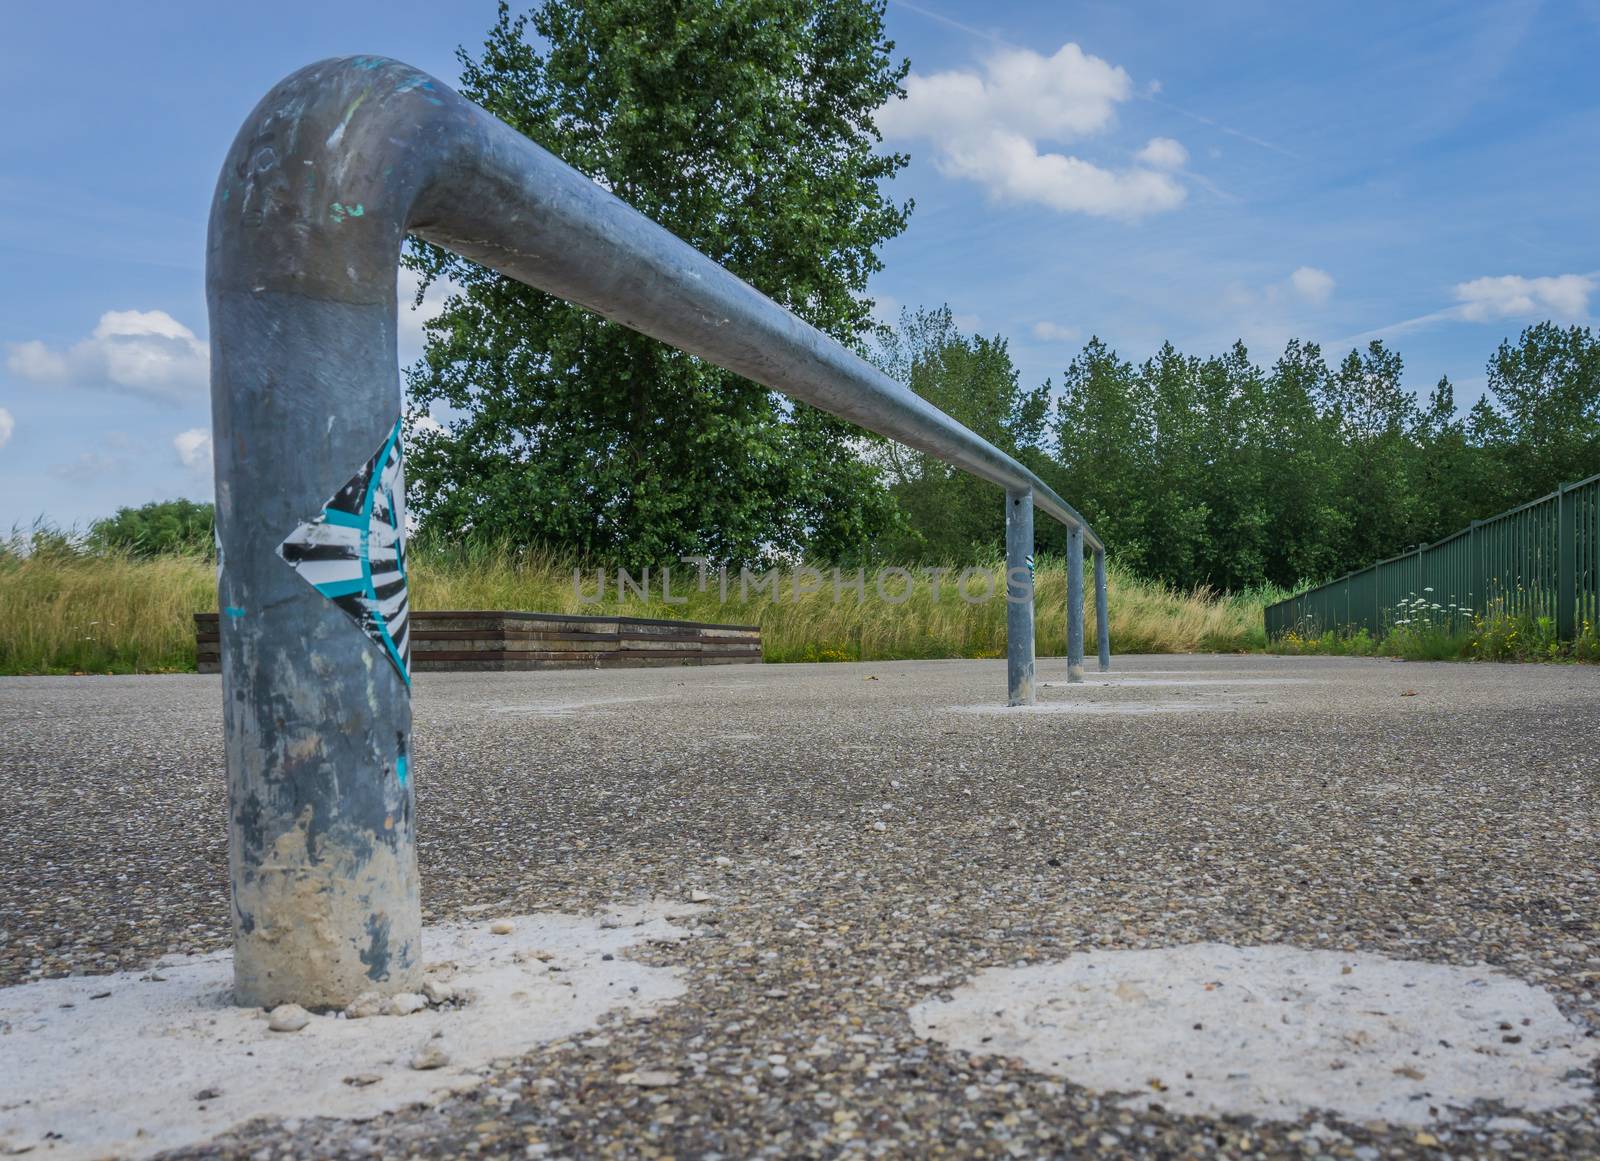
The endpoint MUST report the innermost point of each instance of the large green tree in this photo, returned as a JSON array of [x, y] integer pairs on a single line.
[[1104, 432], [951, 516], [1299, 458], [1539, 423], [1448, 476], [746, 128], [1373, 474]]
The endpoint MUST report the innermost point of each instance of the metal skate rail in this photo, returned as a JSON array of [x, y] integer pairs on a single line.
[[329, 175]]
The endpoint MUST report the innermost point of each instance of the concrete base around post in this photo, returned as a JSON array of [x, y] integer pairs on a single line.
[[109, 1065], [1102, 612], [1075, 604], [1019, 598]]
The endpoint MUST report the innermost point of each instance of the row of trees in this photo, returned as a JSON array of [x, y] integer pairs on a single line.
[[1218, 471], [1210, 471]]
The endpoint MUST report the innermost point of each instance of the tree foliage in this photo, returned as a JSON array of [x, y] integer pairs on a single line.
[[1540, 420], [1217, 472], [746, 128], [950, 515], [159, 528]]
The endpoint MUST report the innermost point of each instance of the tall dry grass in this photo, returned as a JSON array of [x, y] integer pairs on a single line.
[[826, 625], [75, 612], [72, 612]]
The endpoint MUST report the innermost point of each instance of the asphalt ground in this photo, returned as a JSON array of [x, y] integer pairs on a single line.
[[870, 836]]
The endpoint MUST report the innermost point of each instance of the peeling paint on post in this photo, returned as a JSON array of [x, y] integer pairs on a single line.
[[1074, 604], [1019, 598]]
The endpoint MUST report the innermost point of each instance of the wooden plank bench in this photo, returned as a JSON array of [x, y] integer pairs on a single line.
[[490, 641]]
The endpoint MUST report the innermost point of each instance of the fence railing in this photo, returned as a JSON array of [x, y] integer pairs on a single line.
[[1539, 559], [326, 179]]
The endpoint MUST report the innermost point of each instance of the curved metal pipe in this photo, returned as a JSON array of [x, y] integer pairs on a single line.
[[403, 153], [330, 173]]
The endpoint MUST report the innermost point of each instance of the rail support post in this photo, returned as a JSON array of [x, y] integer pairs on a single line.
[[1102, 612], [311, 579], [1019, 597], [1075, 604]]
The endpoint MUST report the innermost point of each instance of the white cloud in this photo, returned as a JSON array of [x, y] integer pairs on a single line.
[[193, 448], [426, 425], [1012, 168], [1306, 285], [1164, 153], [1070, 94], [36, 362], [7, 426], [143, 352], [1049, 332], [413, 319], [1311, 284], [987, 129], [1266, 315], [1565, 297], [90, 466]]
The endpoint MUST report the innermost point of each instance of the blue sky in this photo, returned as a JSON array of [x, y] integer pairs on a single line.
[[1423, 171]]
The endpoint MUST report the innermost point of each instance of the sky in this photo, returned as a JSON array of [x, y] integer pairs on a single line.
[[1423, 173]]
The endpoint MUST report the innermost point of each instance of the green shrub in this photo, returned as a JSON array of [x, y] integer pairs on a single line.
[[159, 528]]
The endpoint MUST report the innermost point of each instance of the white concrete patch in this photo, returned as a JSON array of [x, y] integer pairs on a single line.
[[116, 1065], [1089, 681], [1275, 1031], [1116, 671], [568, 709], [1097, 707]]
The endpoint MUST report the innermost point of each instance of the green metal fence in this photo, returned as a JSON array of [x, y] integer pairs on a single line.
[[1540, 559]]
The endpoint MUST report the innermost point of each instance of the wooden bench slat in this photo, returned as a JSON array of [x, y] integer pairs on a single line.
[[489, 640]]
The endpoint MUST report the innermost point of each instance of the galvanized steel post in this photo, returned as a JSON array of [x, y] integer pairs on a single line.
[[1019, 598], [1102, 611], [1074, 604], [311, 578]]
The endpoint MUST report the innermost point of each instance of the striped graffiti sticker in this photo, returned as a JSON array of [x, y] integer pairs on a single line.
[[354, 553]]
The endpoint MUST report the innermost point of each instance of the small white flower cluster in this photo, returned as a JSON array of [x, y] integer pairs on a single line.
[[1416, 609]]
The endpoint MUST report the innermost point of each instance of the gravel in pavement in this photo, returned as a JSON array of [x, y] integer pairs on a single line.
[[864, 845]]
